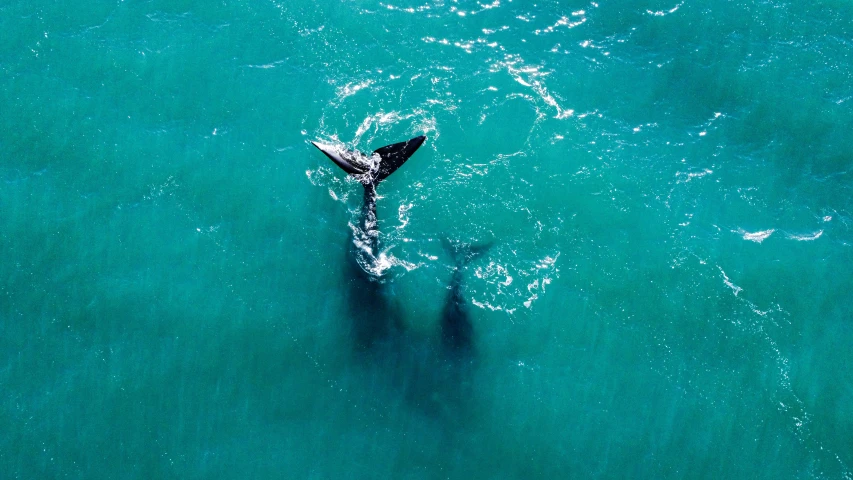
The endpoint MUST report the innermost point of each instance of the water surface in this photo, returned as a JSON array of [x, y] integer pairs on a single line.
[[667, 186]]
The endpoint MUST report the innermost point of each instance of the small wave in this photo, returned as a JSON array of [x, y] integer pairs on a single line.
[[736, 289], [684, 177], [422, 123], [806, 238], [494, 308], [352, 88], [266, 66], [661, 13], [536, 287], [323, 177], [528, 76], [421, 8], [564, 21], [756, 237], [403, 215]]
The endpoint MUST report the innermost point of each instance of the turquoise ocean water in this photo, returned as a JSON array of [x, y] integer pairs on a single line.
[[667, 185]]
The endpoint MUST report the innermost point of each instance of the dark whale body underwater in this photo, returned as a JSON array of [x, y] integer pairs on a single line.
[[375, 317], [421, 365]]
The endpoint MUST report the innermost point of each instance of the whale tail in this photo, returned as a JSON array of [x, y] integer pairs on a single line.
[[391, 157], [395, 155], [457, 331], [464, 253]]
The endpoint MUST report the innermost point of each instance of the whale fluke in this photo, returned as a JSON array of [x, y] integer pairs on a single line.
[[348, 160], [395, 155], [464, 253], [457, 332], [377, 167]]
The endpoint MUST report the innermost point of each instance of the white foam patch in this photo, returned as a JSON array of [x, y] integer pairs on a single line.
[[528, 76], [756, 237], [577, 19], [661, 13], [684, 177], [729, 283], [494, 308], [537, 286], [807, 237], [352, 88], [403, 215]]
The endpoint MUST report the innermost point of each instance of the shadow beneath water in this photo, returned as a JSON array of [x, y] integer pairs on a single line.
[[432, 373]]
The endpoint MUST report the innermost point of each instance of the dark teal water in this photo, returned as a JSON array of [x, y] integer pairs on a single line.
[[667, 185]]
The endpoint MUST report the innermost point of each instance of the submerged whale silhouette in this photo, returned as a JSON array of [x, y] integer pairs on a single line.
[[457, 331], [416, 364]]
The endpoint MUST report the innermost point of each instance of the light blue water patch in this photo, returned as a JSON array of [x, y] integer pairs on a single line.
[[666, 185]]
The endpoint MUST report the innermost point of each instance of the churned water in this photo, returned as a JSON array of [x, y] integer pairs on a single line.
[[667, 185]]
